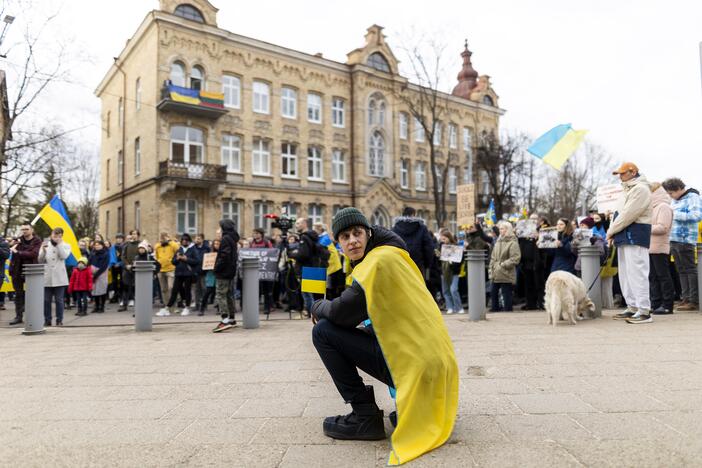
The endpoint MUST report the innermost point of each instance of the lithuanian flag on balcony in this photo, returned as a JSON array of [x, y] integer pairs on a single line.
[[196, 97], [557, 145]]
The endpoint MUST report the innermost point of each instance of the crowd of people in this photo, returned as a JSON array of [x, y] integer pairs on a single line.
[[647, 251]]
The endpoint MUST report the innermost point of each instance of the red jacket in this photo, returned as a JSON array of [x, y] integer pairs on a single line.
[[81, 280]]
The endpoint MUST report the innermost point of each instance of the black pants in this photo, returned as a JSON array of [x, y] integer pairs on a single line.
[[265, 288], [181, 286], [18, 284], [660, 281], [207, 297], [531, 288], [506, 296], [344, 351]]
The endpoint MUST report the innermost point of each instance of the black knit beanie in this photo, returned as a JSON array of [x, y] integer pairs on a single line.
[[346, 218]]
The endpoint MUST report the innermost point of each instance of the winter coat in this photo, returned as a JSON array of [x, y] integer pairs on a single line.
[[81, 280], [262, 244], [419, 241], [563, 257], [100, 261], [632, 219], [448, 268], [349, 309], [55, 258], [200, 251], [530, 254], [687, 212], [130, 250], [4, 255], [187, 266], [27, 253], [661, 222], [227, 255], [476, 241], [164, 255], [309, 252], [504, 260]]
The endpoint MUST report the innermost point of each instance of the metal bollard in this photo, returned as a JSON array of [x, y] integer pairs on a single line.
[[33, 299], [475, 273], [590, 267], [249, 285], [143, 295], [699, 276]]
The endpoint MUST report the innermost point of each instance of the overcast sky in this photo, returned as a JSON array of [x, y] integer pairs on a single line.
[[628, 71]]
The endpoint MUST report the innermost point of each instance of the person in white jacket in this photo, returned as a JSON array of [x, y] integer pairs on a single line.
[[54, 253]]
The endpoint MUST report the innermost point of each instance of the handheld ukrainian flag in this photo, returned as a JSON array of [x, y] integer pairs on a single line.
[[54, 214], [314, 280], [7, 279], [490, 216], [557, 145]]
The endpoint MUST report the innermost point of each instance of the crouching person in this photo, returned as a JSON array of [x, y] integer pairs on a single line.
[[404, 344]]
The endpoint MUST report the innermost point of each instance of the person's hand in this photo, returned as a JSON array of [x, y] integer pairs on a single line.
[[559, 244], [44, 246], [14, 248]]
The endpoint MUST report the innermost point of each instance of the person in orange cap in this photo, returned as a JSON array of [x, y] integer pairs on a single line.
[[630, 232]]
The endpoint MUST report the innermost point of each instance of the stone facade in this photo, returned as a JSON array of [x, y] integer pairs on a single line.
[[165, 181]]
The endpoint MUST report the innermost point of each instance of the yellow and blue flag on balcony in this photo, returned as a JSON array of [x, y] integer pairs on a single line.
[[314, 280], [557, 145], [54, 215], [195, 97]]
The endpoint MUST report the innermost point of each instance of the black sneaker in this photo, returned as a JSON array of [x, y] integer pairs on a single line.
[[662, 311], [365, 422], [16, 321], [640, 319], [47, 323], [627, 314]]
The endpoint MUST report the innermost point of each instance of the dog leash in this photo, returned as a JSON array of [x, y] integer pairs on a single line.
[[595, 280]]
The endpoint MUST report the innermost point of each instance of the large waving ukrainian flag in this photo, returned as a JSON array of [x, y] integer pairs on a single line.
[[557, 145], [54, 214], [417, 348]]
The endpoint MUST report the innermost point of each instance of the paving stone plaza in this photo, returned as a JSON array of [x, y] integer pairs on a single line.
[[94, 393]]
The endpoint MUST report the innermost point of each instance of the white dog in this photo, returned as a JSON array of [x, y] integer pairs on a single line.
[[566, 298]]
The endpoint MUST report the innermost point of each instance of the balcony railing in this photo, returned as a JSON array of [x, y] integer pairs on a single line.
[[191, 101], [195, 172]]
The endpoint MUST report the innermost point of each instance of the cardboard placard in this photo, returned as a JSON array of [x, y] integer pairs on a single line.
[[547, 238], [465, 205], [268, 262], [452, 253], [208, 261], [608, 197]]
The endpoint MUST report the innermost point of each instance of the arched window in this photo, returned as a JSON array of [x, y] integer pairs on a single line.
[[177, 74], [377, 61], [376, 155], [488, 100], [189, 12], [371, 112], [187, 145], [197, 78], [381, 114], [379, 218]]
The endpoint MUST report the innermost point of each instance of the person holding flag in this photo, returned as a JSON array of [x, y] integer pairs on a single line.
[[25, 251], [404, 344]]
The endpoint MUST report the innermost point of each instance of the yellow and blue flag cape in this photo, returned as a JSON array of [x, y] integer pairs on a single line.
[[7, 280], [314, 280], [557, 145], [54, 214], [417, 348]]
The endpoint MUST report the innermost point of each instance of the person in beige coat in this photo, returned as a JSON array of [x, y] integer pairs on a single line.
[[503, 267], [660, 281], [54, 253]]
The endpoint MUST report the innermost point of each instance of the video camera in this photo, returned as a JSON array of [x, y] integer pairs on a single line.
[[282, 222]]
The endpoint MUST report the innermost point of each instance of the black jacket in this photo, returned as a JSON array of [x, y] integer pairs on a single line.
[[188, 266], [228, 254], [420, 243], [349, 309], [201, 251], [309, 252], [4, 255]]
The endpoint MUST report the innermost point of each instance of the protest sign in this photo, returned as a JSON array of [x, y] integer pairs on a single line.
[[526, 229], [547, 238], [208, 261], [465, 205], [581, 237], [452, 253], [268, 262], [608, 197]]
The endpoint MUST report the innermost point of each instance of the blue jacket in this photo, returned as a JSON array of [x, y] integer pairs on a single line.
[[564, 258], [188, 266], [201, 251], [687, 213], [631, 224]]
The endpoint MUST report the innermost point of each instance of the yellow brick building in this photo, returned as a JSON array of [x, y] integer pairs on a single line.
[[199, 123]]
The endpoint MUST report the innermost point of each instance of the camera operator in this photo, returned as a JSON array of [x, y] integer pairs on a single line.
[[308, 254], [25, 251]]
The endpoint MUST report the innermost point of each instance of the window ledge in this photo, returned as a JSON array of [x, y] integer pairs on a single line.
[[314, 179], [261, 175], [345, 182], [289, 177]]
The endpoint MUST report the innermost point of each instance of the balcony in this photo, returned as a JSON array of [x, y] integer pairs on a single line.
[[192, 175], [193, 102]]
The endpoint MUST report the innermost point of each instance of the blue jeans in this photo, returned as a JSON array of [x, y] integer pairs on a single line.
[[309, 300], [450, 292], [57, 293], [506, 289], [81, 300]]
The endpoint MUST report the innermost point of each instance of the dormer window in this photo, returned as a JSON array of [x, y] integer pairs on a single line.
[[488, 100], [377, 61], [189, 12]]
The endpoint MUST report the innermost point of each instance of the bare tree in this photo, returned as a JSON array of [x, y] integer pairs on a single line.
[[86, 181], [429, 107], [503, 163]]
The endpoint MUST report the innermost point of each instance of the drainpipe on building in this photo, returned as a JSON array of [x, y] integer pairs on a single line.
[[352, 156], [123, 123]]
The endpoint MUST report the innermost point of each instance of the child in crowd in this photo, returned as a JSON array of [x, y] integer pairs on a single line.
[[81, 284], [210, 283], [99, 263]]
